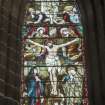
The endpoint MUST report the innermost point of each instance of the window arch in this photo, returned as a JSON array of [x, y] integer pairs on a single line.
[[53, 56]]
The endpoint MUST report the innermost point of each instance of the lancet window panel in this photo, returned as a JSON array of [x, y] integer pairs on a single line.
[[53, 54]]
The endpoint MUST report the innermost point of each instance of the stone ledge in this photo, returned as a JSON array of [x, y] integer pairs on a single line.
[[7, 101]]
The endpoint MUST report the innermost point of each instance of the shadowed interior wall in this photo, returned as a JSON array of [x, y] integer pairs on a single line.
[[11, 15], [93, 19]]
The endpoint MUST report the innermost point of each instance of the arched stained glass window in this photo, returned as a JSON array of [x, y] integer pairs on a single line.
[[53, 54]]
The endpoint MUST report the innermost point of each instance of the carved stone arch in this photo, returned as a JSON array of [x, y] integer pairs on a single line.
[[93, 23]]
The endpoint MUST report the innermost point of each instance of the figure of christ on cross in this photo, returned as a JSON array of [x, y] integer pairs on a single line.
[[52, 60]]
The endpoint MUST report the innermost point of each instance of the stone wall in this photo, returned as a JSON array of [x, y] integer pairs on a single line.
[[11, 15]]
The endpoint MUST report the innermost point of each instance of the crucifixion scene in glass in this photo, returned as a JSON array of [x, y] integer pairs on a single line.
[[53, 70]]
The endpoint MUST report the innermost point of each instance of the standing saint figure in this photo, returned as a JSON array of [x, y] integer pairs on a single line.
[[52, 61]]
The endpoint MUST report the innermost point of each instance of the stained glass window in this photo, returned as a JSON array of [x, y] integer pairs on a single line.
[[53, 54]]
